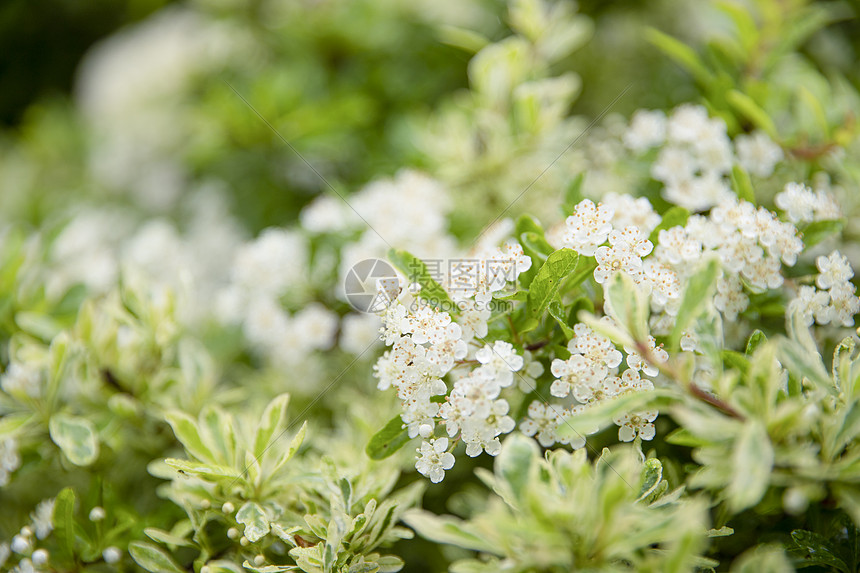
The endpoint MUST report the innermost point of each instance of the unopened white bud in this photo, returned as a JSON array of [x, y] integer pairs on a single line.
[[233, 533], [244, 541], [425, 430], [112, 554], [205, 504], [259, 560], [20, 544], [97, 513], [40, 557], [228, 508]]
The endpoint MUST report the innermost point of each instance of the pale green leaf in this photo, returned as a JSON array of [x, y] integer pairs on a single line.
[[76, 437], [152, 558]]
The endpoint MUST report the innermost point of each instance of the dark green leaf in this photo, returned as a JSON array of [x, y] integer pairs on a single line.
[[756, 339], [816, 549], [817, 231], [416, 271], [64, 523], [388, 440], [674, 217], [546, 284], [742, 184]]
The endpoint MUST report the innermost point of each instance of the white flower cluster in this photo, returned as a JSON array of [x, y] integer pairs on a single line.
[[427, 345], [696, 154], [751, 243], [265, 270], [803, 205], [25, 541], [21, 381], [10, 459], [836, 302], [591, 375]]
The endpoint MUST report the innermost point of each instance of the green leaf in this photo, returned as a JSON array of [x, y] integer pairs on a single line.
[[630, 307], [674, 217], [448, 530], [390, 564], [752, 462], [167, 538], [388, 440], [216, 431], [700, 289], [11, 424], [556, 310], [416, 271], [817, 231], [816, 549], [747, 107], [573, 195], [600, 415], [186, 431], [253, 517], [271, 423], [724, 531], [756, 339], [682, 54], [76, 437], [515, 465], [152, 558], [651, 477], [742, 184], [546, 283], [64, 523]]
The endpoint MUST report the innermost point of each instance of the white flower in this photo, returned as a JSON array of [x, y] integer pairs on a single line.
[[624, 254], [10, 459], [675, 246], [531, 371], [22, 380], [358, 332], [757, 153], [730, 298], [430, 325], [664, 281], [803, 205], [813, 305], [674, 166], [541, 421], [588, 227], [434, 460], [272, 263], [327, 214], [657, 353], [317, 326], [473, 320], [631, 211], [502, 359], [595, 347], [845, 303], [833, 269], [688, 123], [43, 518], [647, 129], [636, 423], [688, 342]]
